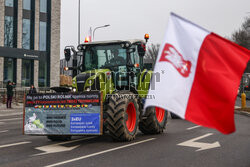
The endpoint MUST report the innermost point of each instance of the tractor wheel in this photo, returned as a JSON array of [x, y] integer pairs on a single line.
[[154, 121], [59, 137], [174, 116], [122, 116]]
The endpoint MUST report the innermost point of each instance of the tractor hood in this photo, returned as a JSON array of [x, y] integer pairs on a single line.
[[89, 79]]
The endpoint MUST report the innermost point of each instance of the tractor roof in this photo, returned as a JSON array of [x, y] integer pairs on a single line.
[[132, 41]]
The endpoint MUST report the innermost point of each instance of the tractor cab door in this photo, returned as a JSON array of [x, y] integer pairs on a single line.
[[135, 66]]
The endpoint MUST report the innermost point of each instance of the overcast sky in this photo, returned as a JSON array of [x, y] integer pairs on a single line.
[[130, 19]]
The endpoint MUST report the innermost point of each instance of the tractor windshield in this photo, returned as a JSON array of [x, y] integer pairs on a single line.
[[104, 56]]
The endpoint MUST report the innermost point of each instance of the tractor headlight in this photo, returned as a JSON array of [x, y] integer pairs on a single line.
[[127, 45], [73, 82], [74, 89], [79, 47], [122, 45], [90, 82], [87, 89]]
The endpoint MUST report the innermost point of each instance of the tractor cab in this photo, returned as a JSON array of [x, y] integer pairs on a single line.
[[124, 59]]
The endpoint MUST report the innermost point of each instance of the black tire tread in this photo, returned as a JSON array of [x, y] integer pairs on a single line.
[[115, 123], [150, 125]]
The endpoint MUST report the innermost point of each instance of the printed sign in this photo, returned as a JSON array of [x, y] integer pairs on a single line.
[[63, 114]]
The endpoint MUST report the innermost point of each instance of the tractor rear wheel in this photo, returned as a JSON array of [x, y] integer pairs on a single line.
[[154, 121], [122, 116]]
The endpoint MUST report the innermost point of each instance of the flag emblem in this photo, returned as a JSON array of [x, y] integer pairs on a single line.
[[170, 54]]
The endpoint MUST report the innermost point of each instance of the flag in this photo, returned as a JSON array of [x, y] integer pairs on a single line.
[[200, 73], [90, 34]]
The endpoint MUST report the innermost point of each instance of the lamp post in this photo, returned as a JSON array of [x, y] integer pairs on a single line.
[[79, 21], [97, 28]]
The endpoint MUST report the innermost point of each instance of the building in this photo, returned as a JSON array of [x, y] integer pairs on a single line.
[[30, 42]]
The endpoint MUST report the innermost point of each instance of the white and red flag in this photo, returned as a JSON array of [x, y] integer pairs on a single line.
[[202, 73]]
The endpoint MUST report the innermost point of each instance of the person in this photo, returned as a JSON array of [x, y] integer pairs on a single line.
[[117, 59], [9, 93], [32, 90]]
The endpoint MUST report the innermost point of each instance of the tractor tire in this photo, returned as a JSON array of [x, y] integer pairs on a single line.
[[122, 116], [154, 121], [174, 116], [59, 137]]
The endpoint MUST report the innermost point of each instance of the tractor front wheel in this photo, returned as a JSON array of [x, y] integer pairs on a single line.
[[122, 116], [154, 121]]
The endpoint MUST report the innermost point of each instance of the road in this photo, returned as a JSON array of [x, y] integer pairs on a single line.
[[180, 145]]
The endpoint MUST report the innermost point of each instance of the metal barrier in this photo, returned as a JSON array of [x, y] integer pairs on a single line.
[[18, 93]]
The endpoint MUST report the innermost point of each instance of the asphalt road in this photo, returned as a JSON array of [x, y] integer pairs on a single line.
[[166, 149]]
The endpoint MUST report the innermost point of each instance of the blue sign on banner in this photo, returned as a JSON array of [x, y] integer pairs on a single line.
[[85, 123]]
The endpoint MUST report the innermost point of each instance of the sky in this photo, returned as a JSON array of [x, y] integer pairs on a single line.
[[131, 19]]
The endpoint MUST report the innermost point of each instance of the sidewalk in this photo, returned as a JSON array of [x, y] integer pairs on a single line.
[[15, 107]]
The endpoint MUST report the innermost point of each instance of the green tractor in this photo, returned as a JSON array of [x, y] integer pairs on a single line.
[[116, 69]]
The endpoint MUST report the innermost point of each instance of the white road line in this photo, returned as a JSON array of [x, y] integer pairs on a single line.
[[10, 119], [11, 114], [54, 148], [14, 144], [98, 153], [4, 131], [193, 127]]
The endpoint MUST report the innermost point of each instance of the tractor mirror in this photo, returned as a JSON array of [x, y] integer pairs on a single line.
[[67, 54], [141, 49]]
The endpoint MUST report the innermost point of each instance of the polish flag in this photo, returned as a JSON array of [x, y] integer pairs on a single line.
[[200, 73]]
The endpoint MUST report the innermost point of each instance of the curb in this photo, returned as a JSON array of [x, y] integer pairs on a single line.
[[242, 113]]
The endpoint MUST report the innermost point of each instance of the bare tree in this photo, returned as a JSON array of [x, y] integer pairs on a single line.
[[152, 52], [242, 37]]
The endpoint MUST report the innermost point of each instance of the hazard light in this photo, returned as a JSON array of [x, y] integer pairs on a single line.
[[66, 68], [87, 39], [146, 37]]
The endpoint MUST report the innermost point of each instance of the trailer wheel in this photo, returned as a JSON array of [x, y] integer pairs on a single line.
[[122, 116], [154, 121], [59, 137]]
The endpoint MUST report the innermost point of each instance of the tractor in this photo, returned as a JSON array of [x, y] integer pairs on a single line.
[[116, 69]]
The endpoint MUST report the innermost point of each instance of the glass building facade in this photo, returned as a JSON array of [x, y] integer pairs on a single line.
[[25, 50]]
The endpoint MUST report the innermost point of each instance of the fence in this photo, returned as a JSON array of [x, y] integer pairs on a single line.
[[19, 93]]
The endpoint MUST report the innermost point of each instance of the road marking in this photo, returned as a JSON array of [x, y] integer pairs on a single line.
[[4, 131], [11, 114], [11, 119], [14, 144], [237, 107], [193, 127], [101, 152], [200, 145], [54, 148]]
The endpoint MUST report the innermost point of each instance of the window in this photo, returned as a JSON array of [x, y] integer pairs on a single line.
[[43, 6], [26, 4], [27, 71], [9, 3], [9, 70], [42, 36], [8, 31], [26, 33], [42, 76]]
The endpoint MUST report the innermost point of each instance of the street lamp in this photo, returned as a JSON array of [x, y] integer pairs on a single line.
[[79, 21], [97, 28]]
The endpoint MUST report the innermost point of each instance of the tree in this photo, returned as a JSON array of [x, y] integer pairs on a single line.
[[242, 37], [152, 52]]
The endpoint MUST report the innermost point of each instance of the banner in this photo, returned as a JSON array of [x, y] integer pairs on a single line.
[[63, 114]]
